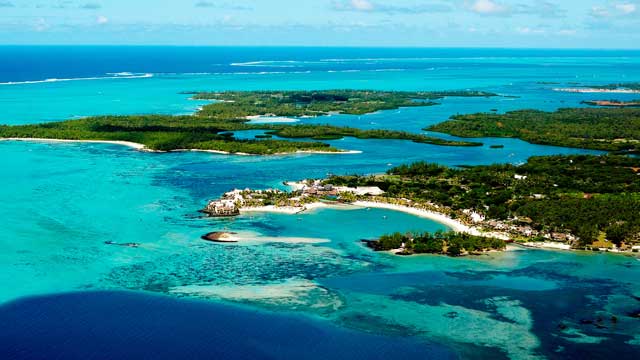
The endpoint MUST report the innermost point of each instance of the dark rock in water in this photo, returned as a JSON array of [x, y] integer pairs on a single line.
[[132, 245], [371, 244], [219, 236], [635, 314], [451, 315]]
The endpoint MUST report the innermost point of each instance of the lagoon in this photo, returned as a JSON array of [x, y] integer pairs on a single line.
[[62, 202]]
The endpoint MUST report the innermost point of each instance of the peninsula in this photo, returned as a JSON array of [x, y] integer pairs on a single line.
[[613, 103], [212, 127], [609, 129], [569, 202], [621, 88]]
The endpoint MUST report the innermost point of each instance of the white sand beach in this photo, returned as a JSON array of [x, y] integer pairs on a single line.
[[249, 238], [290, 210], [455, 225], [264, 119], [342, 152], [597, 90], [141, 147], [547, 245], [114, 142]]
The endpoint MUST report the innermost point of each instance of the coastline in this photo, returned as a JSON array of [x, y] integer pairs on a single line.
[[133, 145], [597, 90], [249, 238], [289, 210], [443, 219], [547, 245], [455, 225], [142, 147]]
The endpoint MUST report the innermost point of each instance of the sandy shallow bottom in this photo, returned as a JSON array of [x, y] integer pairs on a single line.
[[252, 238]]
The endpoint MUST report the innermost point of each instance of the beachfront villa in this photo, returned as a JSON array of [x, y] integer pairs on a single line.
[[222, 208]]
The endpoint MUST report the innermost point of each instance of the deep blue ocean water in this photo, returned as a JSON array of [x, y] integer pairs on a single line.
[[332, 299], [117, 325], [29, 63]]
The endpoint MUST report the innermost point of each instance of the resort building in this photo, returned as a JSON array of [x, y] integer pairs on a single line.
[[222, 208]]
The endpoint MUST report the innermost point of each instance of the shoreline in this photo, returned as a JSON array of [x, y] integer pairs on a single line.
[[546, 245], [289, 210], [443, 219], [597, 90], [252, 238], [130, 144], [143, 148]]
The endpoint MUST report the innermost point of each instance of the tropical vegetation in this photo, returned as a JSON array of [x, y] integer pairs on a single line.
[[611, 129], [449, 243], [213, 127], [591, 197]]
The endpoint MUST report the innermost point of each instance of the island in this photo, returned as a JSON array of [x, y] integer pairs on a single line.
[[220, 237], [440, 243], [609, 129], [241, 104], [212, 127], [621, 88], [582, 202], [613, 103]]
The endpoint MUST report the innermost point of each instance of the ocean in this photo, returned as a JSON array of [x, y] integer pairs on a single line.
[[64, 293]]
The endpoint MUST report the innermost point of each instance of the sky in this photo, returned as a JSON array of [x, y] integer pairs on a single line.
[[410, 23]]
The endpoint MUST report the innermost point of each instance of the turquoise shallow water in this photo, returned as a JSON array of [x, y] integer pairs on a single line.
[[62, 202]]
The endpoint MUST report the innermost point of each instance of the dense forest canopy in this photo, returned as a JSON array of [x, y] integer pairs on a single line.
[[613, 103], [230, 105], [211, 128], [585, 195], [162, 133], [449, 243], [616, 129]]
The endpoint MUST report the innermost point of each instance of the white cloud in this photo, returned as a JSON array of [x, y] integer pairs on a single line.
[[222, 5], [488, 7], [101, 20], [527, 30], [91, 6], [362, 5], [567, 32], [388, 8], [627, 8], [615, 10], [41, 25], [541, 8], [600, 11]]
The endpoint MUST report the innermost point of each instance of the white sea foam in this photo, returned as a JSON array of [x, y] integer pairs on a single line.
[[271, 63], [54, 80]]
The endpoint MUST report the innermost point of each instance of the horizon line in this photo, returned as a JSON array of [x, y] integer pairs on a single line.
[[321, 46]]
